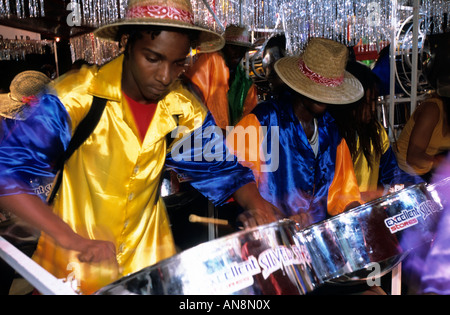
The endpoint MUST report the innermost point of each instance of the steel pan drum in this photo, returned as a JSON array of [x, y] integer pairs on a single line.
[[281, 258], [259, 261], [370, 240]]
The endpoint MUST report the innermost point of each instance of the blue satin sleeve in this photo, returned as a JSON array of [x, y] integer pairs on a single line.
[[203, 157], [29, 148], [391, 174]]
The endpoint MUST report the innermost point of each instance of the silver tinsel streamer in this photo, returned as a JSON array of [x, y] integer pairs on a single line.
[[95, 13], [365, 24], [351, 22], [92, 49], [17, 49], [21, 8]]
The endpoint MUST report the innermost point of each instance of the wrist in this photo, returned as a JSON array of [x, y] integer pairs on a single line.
[[247, 196], [70, 240]]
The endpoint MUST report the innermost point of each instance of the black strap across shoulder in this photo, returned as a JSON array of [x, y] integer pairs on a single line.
[[83, 131]]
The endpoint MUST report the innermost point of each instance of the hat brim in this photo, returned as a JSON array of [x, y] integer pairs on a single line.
[[10, 108], [208, 41], [349, 91], [241, 44]]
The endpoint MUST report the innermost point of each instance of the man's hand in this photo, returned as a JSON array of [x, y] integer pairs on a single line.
[[256, 217], [258, 211], [96, 251], [303, 220], [39, 215]]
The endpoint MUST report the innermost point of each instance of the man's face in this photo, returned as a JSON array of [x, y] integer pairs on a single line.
[[153, 63], [369, 103], [233, 55], [315, 107]]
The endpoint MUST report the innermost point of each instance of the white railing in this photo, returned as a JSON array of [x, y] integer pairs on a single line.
[[38, 277]]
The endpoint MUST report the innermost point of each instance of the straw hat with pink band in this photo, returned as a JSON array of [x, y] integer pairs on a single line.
[[24, 89], [237, 35], [319, 73], [167, 13]]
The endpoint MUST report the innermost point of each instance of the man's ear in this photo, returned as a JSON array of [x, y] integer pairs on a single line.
[[123, 42]]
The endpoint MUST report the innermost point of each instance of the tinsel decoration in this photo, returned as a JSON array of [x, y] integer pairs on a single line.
[[348, 21], [351, 22], [95, 13], [92, 49], [17, 49], [21, 8]]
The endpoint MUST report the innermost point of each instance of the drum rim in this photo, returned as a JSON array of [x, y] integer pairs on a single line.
[[363, 206], [175, 257], [235, 235]]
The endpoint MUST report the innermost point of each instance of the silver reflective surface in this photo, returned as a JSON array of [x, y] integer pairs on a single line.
[[371, 239], [259, 261], [279, 258]]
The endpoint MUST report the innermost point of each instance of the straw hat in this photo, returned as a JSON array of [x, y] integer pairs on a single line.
[[23, 89], [237, 35], [319, 73], [172, 13]]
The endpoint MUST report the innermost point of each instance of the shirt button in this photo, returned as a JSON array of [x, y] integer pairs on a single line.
[[126, 223], [136, 169], [121, 247], [130, 196]]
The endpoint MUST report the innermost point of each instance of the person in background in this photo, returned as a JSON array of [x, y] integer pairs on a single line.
[[373, 158], [433, 270], [274, 50], [24, 89], [15, 105], [108, 218], [49, 70], [422, 148], [302, 164], [425, 139], [382, 70], [227, 91]]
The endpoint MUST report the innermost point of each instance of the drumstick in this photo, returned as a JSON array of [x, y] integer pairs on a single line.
[[195, 218]]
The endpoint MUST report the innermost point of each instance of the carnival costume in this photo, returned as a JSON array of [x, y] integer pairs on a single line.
[[299, 182]]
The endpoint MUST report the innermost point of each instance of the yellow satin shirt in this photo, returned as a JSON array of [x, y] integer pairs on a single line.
[[368, 177], [110, 184], [438, 144]]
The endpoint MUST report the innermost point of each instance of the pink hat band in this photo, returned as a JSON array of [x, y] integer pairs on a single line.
[[160, 12], [237, 38], [317, 78]]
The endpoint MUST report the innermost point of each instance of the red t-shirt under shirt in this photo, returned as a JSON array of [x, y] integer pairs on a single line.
[[142, 113]]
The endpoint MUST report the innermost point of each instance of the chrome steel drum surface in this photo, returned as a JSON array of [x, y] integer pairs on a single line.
[[260, 261], [438, 190], [371, 239]]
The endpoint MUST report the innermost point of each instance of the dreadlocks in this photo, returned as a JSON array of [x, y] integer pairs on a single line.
[[358, 121]]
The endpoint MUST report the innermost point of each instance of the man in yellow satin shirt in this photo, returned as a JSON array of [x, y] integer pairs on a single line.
[[108, 219]]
